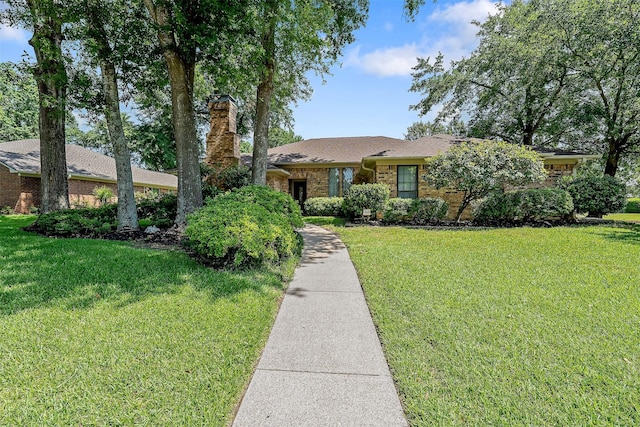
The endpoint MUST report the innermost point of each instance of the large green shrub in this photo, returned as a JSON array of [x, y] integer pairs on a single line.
[[245, 227], [365, 196], [159, 209], [77, 222], [397, 210], [324, 206], [633, 206], [531, 205], [429, 209], [596, 195]]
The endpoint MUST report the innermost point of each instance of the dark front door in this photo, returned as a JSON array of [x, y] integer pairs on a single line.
[[300, 191]]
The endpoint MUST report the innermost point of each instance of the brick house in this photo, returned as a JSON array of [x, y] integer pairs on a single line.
[[326, 167], [20, 175]]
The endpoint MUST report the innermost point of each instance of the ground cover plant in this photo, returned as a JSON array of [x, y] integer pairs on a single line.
[[96, 332], [518, 326]]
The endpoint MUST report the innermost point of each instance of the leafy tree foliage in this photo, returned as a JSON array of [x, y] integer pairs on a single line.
[[596, 195], [421, 129], [478, 168], [18, 103], [279, 136], [546, 73]]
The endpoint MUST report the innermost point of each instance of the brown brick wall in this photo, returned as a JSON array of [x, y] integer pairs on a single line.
[[277, 182], [222, 145], [9, 187]]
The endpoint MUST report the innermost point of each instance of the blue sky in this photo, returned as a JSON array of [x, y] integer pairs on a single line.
[[367, 94]]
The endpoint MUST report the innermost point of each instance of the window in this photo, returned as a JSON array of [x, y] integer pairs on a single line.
[[340, 179], [347, 179], [408, 182], [334, 182]]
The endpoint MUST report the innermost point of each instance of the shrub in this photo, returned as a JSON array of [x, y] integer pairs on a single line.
[[429, 209], [103, 194], [77, 222], [596, 195], [324, 206], [531, 205], [633, 206], [246, 227], [160, 209], [6, 210], [397, 210], [365, 196]]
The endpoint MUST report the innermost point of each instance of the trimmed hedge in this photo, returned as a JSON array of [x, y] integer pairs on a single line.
[[397, 210], [633, 206], [531, 205], [365, 196], [246, 227], [160, 210], [77, 222], [420, 211], [429, 209], [324, 206]]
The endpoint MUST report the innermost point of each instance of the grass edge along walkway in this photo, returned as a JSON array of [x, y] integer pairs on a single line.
[[96, 332], [518, 326]]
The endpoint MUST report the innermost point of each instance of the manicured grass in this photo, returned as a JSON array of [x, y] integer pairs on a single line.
[[325, 220], [629, 217], [102, 333], [507, 327]]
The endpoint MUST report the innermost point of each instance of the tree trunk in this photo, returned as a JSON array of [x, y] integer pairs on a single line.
[[51, 77], [127, 213], [263, 97], [613, 156], [181, 75]]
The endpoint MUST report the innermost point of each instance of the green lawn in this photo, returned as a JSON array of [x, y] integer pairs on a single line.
[[507, 327], [101, 333], [629, 217]]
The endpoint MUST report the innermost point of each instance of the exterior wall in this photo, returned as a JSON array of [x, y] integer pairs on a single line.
[[277, 182], [317, 178], [9, 187]]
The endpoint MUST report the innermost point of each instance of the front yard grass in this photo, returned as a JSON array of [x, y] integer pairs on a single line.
[[101, 333], [629, 217], [506, 327]]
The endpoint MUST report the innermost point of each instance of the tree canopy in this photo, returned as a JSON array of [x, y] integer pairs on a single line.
[[18, 103]]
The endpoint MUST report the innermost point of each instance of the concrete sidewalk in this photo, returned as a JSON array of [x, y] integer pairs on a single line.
[[323, 364]]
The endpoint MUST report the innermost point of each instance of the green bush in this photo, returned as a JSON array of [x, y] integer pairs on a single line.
[[531, 205], [159, 209], [103, 194], [77, 222], [324, 206], [596, 195], [246, 227], [633, 206], [397, 210], [365, 196], [429, 209], [6, 210]]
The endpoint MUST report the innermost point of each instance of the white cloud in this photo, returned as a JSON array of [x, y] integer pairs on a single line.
[[394, 61], [456, 38], [12, 34]]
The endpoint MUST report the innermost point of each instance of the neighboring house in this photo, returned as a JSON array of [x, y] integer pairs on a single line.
[[20, 175], [326, 167]]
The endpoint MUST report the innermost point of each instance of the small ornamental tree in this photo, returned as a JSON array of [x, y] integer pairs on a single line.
[[478, 168]]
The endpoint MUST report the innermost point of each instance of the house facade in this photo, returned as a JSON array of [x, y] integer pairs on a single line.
[[20, 176], [327, 167]]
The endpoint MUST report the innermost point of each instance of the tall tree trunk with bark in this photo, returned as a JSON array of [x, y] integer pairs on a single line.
[[181, 68], [127, 213], [263, 97], [613, 157], [51, 77]]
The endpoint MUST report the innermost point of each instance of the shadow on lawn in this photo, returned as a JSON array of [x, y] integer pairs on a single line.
[[627, 234], [39, 272]]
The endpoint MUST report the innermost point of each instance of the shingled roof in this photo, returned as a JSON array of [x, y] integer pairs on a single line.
[[357, 149], [24, 157]]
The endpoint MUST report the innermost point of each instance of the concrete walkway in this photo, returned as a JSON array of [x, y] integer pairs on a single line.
[[323, 364]]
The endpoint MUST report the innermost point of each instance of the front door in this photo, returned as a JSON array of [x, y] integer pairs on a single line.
[[300, 191]]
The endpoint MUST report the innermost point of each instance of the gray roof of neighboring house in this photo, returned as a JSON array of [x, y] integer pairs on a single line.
[[24, 157], [355, 149]]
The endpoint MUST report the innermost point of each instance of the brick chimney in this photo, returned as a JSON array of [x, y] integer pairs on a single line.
[[223, 145]]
